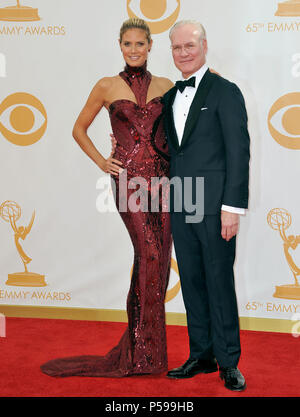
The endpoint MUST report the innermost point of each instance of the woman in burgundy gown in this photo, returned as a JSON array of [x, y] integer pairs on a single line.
[[133, 100]]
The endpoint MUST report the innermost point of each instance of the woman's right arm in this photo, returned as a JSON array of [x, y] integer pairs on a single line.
[[94, 104]]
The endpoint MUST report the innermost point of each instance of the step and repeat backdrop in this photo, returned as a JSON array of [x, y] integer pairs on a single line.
[[63, 245]]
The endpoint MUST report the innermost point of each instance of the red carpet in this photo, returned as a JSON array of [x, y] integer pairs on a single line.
[[270, 363]]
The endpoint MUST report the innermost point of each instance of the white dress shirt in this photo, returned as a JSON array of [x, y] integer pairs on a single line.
[[181, 108]]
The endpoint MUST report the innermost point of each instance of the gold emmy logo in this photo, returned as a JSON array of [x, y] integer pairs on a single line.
[[19, 13], [25, 111], [10, 211], [287, 130], [288, 8], [159, 14], [172, 292], [280, 219]]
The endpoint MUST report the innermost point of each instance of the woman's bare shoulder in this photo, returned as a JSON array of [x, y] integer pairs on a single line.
[[103, 88], [106, 83], [164, 83]]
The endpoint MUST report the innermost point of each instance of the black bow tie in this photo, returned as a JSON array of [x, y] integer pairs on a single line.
[[187, 83]]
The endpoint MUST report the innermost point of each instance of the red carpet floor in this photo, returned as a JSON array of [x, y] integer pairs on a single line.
[[270, 363]]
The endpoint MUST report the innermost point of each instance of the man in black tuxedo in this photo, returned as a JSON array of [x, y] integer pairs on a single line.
[[206, 126]]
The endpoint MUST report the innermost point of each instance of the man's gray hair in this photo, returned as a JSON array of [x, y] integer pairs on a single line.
[[198, 26]]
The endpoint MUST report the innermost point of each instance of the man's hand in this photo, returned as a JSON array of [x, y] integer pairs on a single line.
[[229, 224]]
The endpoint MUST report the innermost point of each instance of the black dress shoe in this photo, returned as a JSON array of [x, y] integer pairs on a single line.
[[193, 367], [233, 378]]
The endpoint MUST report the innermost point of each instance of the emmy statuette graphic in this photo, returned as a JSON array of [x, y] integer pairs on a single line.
[[280, 219], [10, 212], [288, 8], [19, 13]]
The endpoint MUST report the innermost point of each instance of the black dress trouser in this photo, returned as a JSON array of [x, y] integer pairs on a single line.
[[205, 263]]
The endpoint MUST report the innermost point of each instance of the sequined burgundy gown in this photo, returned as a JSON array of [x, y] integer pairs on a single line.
[[141, 146]]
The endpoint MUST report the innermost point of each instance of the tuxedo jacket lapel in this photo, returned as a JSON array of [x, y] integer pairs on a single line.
[[197, 104]]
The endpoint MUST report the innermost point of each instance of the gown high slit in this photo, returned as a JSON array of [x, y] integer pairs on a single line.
[[141, 147]]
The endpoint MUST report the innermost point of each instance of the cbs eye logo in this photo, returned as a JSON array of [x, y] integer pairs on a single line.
[[284, 121], [23, 119], [159, 14]]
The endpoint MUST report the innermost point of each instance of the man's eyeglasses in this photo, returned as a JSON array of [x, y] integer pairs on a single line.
[[188, 48]]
